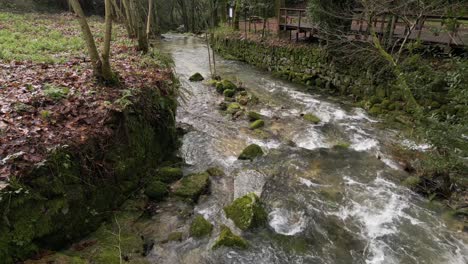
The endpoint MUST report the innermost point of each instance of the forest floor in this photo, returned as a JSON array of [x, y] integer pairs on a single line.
[[48, 94]]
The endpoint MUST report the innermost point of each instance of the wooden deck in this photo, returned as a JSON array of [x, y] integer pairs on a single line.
[[430, 30]]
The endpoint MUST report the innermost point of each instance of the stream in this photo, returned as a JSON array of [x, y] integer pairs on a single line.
[[324, 204]]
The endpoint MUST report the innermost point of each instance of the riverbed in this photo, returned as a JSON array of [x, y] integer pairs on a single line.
[[325, 204]]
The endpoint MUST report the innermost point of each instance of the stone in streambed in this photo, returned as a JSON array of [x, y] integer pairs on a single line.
[[192, 186], [229, 239], [228, 85], [169, 174], [257, 124], [156, 190], [229, 93], [251, 152], [233, 108], [246, 212], [215, 171], [253, 116], [311, 118], [197, 77], [200, 227]]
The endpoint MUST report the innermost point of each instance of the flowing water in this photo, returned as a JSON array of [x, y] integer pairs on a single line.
[[324, 204]]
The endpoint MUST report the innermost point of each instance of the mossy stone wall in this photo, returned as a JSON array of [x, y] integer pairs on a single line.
[[309, 65], [77, 188]]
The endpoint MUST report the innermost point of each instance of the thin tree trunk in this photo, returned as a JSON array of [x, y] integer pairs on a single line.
[[129, 20], [148, 22], [88, 37], [106, 68]]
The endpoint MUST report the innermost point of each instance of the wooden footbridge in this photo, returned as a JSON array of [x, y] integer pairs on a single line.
[[429, 29]]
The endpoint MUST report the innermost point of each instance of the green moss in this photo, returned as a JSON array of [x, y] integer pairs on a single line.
[[229, 239], [197, 77], [156, 190], [229, 93], [375, 110], [412, 181], [215, 171], [219, 87], [169, 174], [251, 152], [342, 145], [257, 124], [175, 236], [192, 186], [212, 82], [54, 92], [233, 108], [253, 116], [246, 212], [200, 227], [228, 85], [311, 118]]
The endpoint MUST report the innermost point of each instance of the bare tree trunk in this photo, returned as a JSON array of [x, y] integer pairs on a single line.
[[106, 68], [129, 20], [148, 22], [88, 37]]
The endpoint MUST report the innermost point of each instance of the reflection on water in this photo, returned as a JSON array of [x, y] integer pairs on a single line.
[[325, 204]]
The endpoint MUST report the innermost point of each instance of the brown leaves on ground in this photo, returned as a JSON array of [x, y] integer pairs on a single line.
[[47, 105]]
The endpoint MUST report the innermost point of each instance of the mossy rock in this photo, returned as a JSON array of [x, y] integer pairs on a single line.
[[192, 186], [212, 82], [228, 85], [219, 87], [342, 145], [311, 118], [175, 236], [412, 181], [215, 171], [385, 104], [156, 190], [246, 212], [229, 93], [229, 239], [169, 174], [200, 227], [253, 116], [251, 152], [197, 77], [233, 108], [375, 110], [257, 124]]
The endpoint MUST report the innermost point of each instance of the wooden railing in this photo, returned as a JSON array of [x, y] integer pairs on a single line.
[[429, 29]]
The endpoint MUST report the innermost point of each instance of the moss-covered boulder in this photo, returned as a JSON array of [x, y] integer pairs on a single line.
[[311, 118], [251, 152], [200, 227], [253, 116], [219, 87], [228, 85], [257, 124], [233, 108], [196, 77], [192, 186], [229, 93], [156, 190], [169, 174], [342, 145], [174, 236], [246, 212], [215, 171], [229, 239]]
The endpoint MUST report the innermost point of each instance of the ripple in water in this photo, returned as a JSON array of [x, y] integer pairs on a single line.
[[286, 222]]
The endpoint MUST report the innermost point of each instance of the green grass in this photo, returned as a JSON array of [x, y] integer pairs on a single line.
[[33, 37], [53, 38]]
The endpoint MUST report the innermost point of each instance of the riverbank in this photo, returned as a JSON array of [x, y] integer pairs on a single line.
[[438, 166], [72, 150]]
